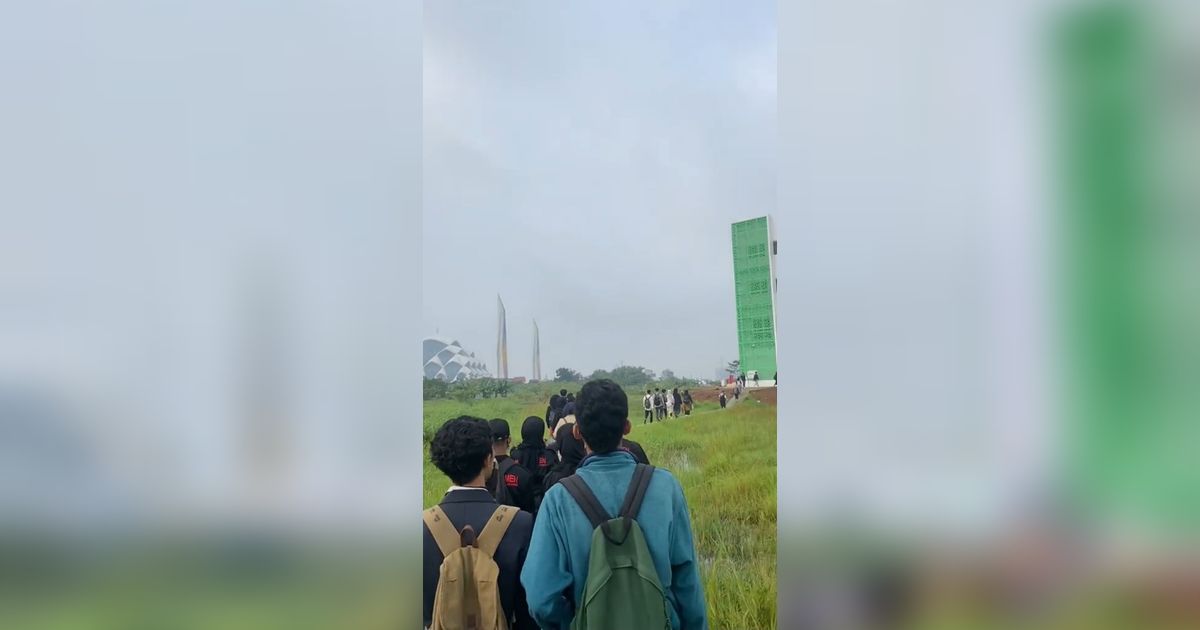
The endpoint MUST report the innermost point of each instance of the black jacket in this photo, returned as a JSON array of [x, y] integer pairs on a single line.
[[520, 484], [570, 452], [474, 508], [543, 459], [636, 449]]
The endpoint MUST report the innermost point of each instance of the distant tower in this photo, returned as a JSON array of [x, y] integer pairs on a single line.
[[501, 342], [265, 440], [537, 355], [754, 249]]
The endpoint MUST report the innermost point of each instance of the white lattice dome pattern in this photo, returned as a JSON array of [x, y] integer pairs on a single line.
[[447, 360]]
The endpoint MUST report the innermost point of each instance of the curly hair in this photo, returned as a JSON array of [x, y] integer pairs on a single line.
[[460, 447], [602, 410]]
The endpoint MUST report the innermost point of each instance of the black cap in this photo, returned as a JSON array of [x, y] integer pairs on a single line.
[[499, 429]]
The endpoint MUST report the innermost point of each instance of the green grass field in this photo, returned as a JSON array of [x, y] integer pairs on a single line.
[[725, 461]]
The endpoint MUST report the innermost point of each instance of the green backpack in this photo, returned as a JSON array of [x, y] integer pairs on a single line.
[[622, 591]]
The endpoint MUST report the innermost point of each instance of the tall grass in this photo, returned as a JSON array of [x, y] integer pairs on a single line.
[[725, 461]]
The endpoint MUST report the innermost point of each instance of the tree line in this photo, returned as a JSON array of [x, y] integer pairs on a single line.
[[625, 376], [466, 389], [629, 376]]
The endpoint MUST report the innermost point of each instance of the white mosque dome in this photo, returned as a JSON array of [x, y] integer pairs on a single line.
[[447, 360]]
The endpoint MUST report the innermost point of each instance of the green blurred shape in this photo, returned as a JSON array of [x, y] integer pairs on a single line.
[[1130, 318], [225, 584]]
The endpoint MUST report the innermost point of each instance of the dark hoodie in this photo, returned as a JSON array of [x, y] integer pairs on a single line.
[[570, 452], [554, 411], [532, 452]]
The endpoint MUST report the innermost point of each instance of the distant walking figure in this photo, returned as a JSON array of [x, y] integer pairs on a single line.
[[648, 407], [722, 399], [677, 400], [660, 404], [756, 378], [687, 403]]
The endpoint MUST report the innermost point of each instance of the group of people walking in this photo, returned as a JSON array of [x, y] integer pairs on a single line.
[[659, 404], [741, 379], [534, 513]]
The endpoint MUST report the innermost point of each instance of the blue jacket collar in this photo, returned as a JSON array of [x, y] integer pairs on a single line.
[[615, 459]]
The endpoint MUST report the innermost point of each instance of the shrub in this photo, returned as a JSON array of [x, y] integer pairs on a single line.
[[433, 388]]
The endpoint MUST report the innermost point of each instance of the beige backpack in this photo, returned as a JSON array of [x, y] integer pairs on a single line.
[[468, 590]]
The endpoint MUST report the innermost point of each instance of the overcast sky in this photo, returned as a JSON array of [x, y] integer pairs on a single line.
[[584, 161]]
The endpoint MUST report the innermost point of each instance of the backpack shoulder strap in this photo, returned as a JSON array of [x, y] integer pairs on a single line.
[[444, 533], [586, 499], [637, 491], [497, 525]]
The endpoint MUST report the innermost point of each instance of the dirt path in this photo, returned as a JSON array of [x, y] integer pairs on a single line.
[[765, 395]]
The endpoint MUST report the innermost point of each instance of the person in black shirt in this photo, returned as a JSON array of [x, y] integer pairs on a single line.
[[552, 411], [510, 482], [533, 455], [570, 454], [462, 449]]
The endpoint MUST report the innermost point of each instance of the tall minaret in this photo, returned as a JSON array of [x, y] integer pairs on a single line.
[[537, 355], [501, 342], [265, 441]]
